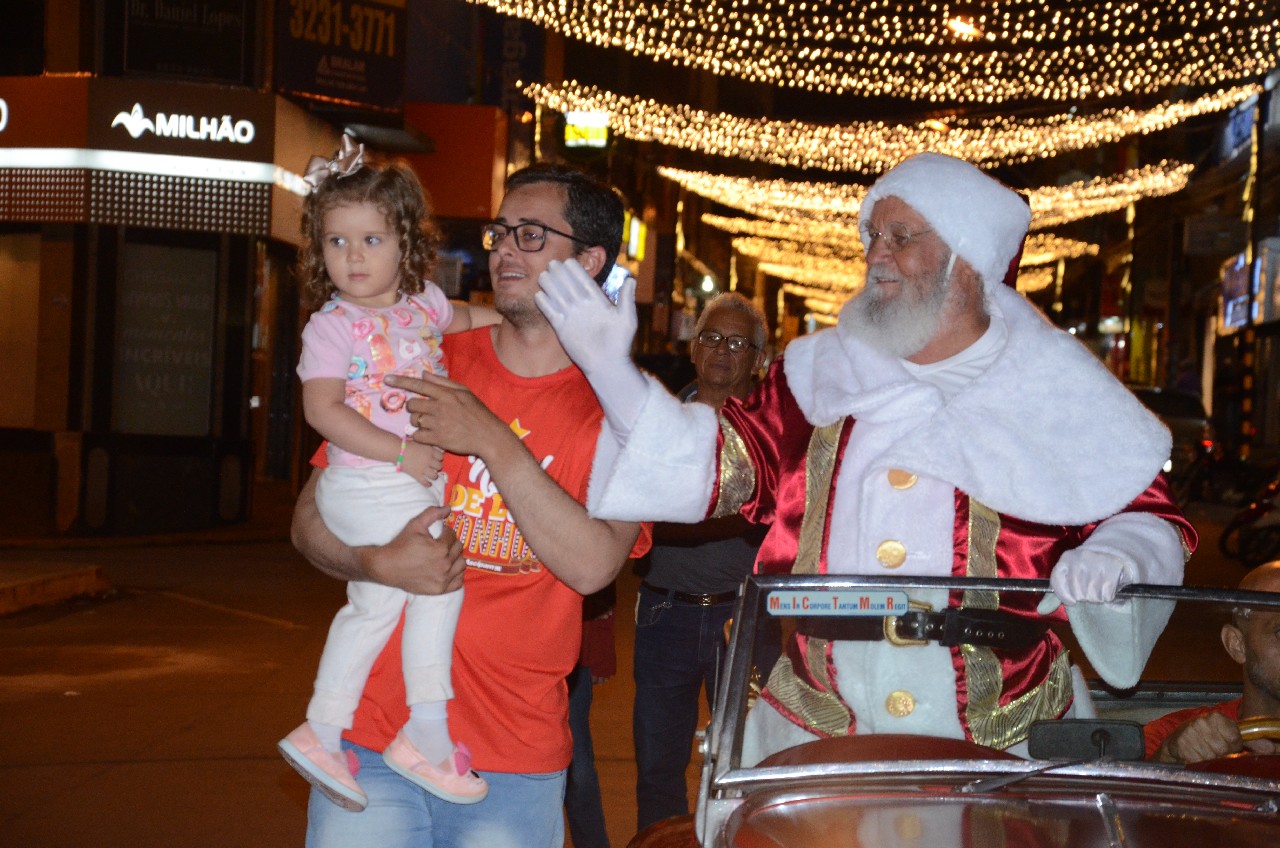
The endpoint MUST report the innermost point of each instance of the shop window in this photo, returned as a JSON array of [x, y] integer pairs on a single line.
[[164, 340]]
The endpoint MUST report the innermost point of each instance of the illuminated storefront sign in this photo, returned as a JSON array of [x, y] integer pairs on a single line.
[[586, 129], [145, 154], [203, 128]]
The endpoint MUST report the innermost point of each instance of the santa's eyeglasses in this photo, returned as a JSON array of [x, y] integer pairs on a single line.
[[896, 237]]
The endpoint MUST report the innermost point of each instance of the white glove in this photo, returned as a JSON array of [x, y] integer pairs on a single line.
[[1086, 575], [597, 336]]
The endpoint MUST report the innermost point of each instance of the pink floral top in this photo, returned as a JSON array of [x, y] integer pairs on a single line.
[[362, 345]]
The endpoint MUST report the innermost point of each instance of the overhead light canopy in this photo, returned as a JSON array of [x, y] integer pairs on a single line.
[[872, 146], [1029, 50]]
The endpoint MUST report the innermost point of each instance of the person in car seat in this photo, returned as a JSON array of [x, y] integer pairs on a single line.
[[1252, 639]]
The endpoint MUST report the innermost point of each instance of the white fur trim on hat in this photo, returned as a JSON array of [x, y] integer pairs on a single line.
[[981, 219]]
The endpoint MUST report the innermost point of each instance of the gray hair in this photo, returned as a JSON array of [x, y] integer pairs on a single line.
[[738, 303]]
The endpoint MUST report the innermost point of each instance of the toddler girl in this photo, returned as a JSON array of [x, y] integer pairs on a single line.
[[366, 243]]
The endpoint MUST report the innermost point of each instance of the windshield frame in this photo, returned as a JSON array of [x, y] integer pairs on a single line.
[[726, 784]]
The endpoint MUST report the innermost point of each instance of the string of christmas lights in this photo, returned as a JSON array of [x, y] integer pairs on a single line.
[[779, 200], [1046, 248], [822, 232], [1036, 279], [871, 146], [822, 239], [936, 51], [826, 286], [1053, 206], [832, 276], [775, 250], [823, 307], [836, 204], [830, 280]]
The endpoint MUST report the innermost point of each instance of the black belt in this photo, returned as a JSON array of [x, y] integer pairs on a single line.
[[690, 597], [952, 627]]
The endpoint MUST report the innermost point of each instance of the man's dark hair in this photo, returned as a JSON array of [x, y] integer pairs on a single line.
[[594, 210]]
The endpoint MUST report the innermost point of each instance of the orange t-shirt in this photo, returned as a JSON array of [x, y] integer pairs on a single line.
[[520, 627]]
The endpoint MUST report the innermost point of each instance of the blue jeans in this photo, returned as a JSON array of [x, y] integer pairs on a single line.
[[520, 811], [679, 649], [582, 804]]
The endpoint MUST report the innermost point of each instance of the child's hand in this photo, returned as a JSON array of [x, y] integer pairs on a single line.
[[422, 462]]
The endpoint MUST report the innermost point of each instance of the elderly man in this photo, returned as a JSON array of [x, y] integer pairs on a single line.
[[1252, 639], [942, 428], [691, 581]]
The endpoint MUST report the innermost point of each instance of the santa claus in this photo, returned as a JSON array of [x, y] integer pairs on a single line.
[[942, 428]]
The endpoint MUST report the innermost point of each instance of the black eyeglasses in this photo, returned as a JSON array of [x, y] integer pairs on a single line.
[[530, 238], [711, 339], [896, 237]]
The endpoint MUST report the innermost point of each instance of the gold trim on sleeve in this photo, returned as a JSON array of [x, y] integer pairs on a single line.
[[989, 723], [820, 711], [999, 727], [984, 530], [820, 464], [737, 474]]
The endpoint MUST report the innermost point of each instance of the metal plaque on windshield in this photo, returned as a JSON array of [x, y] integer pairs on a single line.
[[802, 602]]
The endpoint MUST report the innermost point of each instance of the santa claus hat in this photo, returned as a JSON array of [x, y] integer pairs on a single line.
[[981, 219]]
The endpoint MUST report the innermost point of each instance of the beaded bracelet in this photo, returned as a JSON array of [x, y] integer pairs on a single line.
[[404, 440]]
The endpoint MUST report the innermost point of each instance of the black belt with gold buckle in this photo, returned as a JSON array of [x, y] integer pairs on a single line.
[[690, 597], [991, 628]]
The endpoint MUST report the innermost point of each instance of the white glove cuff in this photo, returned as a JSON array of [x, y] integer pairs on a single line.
[[621, 390]]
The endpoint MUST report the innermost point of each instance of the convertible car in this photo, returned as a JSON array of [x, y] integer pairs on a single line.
[[1086, 782]]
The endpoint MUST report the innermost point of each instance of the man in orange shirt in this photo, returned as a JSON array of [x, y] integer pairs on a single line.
[[521, 437], [1252, 638]]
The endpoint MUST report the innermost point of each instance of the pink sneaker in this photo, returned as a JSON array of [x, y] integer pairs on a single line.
[[453, 780], [333, 774]]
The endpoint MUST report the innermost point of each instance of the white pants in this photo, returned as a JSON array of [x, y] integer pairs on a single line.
[[369, 506]]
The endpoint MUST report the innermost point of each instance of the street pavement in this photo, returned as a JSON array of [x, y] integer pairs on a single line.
[[147, 713]]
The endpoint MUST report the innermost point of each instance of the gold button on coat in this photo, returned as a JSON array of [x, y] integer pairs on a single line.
[[900, 479], [900, 703], [891, 553]]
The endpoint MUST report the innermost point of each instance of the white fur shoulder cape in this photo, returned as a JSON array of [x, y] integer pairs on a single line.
[[1046, 434]]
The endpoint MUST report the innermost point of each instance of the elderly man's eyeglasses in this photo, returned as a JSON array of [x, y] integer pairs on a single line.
[[530, 238], [896, 237], [711, 340]]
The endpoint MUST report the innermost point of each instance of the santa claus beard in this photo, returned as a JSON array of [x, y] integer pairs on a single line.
[[902, 323]]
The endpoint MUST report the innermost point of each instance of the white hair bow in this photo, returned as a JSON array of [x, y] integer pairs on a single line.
[[348, 160]]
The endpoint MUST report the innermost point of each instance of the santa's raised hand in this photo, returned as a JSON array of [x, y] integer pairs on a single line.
[[597, 335]]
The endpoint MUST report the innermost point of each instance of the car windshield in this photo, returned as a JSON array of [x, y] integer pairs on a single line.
[[1187, 668]]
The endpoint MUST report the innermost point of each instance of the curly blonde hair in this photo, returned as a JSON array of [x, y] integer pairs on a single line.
[[392, 187]]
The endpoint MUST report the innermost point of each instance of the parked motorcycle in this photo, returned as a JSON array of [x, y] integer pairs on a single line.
[[1253, 534]]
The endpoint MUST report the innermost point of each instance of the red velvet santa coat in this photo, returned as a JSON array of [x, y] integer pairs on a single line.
[[777, 440], [863, 469]]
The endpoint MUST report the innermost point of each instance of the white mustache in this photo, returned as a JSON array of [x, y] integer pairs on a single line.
[[876, 275]]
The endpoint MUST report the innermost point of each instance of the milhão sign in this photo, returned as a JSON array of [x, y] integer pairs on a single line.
[[202, 128], [192, 120]]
